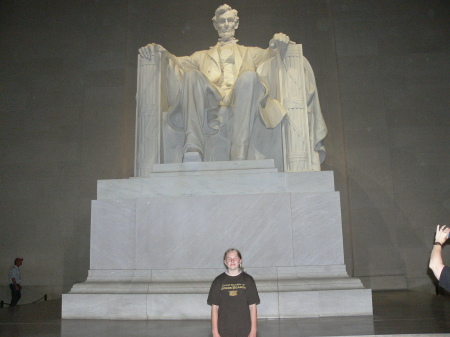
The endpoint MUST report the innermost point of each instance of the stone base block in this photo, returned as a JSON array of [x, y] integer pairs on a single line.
[[157, 243]]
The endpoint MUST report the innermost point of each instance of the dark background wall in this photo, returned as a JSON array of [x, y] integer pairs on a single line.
[[67, 116]]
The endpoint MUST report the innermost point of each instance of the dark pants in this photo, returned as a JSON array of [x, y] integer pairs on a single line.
[[15, 295]]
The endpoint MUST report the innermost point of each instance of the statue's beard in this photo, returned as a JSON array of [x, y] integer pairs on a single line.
[[228, 34]]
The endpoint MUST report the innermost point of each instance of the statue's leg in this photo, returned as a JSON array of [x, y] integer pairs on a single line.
[[193, 93], [247, 91]]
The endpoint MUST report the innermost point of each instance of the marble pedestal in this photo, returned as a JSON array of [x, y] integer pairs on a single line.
[[157, 243]]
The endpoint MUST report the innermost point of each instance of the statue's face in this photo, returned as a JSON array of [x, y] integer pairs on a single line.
[[226, 25]]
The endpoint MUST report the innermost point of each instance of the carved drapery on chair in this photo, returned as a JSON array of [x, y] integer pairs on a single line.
[[299, 152], [296, 144]]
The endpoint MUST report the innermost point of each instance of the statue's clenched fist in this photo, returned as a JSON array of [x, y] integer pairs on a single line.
[[280, 42]]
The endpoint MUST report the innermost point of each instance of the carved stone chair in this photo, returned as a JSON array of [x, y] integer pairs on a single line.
[[295, 144]]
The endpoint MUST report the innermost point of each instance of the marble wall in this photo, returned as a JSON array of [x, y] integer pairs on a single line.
[[393, 74], [67, 120]]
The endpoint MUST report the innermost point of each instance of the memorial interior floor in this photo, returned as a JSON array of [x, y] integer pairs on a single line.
[[395, 312]]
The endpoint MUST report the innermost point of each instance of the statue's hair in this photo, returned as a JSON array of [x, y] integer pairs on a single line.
[[238, 254], [222, 9]]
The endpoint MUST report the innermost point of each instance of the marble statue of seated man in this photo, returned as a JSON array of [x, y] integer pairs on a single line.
[[225, 75]]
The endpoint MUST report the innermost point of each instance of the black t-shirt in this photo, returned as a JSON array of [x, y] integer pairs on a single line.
[[444, 279], [233, 295]]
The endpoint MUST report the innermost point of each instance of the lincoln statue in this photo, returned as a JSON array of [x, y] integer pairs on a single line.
[[234, 84]]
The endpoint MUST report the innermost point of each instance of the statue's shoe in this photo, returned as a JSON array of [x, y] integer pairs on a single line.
[[190, 157]]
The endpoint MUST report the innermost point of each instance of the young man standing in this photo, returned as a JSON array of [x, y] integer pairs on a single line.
[[14, 282]]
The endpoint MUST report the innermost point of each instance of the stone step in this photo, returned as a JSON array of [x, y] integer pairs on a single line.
[[198, 287]]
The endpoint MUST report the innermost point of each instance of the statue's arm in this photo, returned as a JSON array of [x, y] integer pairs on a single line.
[[175, 67], [277, 45], [182, 62]]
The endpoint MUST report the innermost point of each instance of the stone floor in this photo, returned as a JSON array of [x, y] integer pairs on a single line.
[[396, 312]]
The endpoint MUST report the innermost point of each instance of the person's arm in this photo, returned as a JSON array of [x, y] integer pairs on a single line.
[[214, 320], [15, 283], [13, 278], [436, 262], [18, 286], [254, 320]]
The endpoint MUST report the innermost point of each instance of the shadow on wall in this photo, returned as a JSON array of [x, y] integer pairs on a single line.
[[378, 262]]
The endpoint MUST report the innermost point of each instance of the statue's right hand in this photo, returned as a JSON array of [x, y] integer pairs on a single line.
[[149, 50]]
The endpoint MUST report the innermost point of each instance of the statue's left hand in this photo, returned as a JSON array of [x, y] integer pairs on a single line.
[[280, 41]]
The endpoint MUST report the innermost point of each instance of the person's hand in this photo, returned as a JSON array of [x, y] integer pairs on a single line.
[[216, 334], [150, 50], [441, 234], [252, 334], [280, 42]]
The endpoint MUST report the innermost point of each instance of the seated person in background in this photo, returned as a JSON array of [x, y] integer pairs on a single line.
[[441, 271]]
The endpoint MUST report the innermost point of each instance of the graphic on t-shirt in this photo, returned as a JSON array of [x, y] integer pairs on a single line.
[[233, 288]]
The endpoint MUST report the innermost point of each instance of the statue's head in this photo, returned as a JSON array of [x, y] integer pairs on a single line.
[[226, 21]]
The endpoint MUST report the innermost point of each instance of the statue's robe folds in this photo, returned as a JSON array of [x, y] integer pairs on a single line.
[[208, 63]]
